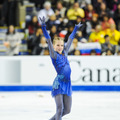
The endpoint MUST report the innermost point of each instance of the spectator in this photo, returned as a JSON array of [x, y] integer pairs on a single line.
[[94, 21], [53, 32], [83, 4], [47, 11], [68, 3], [79, 19], [52, 21], [12, 41], [103, 11], [96, 4], [109, 52], [34, 40], [90, 25], [80, 37], [106, 22], [70, 29], [114, 5], [75, 11], [105, 46], [63, 25], [117, 17], [33, 25], [114, 34], [77, 53], [93, 52], [60, 10], [74, 46], [40, 48], [98, 35], [89, 12]]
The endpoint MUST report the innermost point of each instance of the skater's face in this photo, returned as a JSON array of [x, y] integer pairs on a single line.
[[59, 46]]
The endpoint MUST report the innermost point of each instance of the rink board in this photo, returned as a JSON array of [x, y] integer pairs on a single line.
[[36, 73]]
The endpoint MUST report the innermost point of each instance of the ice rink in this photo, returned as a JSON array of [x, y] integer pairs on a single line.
[[41, 106]]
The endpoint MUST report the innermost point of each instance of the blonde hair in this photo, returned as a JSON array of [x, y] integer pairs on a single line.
[[57, 39]]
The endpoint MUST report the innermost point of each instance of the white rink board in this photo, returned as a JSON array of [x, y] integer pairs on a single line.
[[85, 71], [38, 70]]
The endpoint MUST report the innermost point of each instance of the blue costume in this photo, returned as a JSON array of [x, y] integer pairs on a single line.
[[62, 82]]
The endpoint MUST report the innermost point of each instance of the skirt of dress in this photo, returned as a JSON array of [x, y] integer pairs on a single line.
[[61, 86]]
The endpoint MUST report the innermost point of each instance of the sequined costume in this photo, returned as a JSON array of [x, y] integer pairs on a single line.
[[62, 82]]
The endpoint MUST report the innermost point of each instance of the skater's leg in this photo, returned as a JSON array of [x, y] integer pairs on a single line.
[[59, 107], [67, 102]]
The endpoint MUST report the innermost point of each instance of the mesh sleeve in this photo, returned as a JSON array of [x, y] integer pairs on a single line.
[[53, 54]]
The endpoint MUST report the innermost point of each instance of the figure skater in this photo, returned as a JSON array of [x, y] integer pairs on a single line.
[[61, 89]]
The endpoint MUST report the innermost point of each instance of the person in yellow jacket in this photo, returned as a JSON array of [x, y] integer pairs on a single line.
[[97, 35], [75, 11], [114, 34]]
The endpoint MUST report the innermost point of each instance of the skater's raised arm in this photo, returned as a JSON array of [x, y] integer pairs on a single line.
[[71, 37], [47, 36]]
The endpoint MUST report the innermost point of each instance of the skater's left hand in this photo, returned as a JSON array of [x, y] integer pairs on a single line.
[[79, 25]]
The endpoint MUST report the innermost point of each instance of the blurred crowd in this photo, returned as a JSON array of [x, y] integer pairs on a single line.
[[100, 19]]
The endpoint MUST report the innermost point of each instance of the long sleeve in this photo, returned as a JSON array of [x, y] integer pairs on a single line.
[[70, 39], [53, 54]]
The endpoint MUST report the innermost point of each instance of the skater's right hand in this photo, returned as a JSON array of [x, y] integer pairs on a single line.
[[42, 20]]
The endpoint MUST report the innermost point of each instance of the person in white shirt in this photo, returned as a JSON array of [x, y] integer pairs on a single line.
[[12, 41], [47, 11]]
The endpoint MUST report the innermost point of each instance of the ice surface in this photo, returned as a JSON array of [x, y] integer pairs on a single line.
[[41, 106]]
